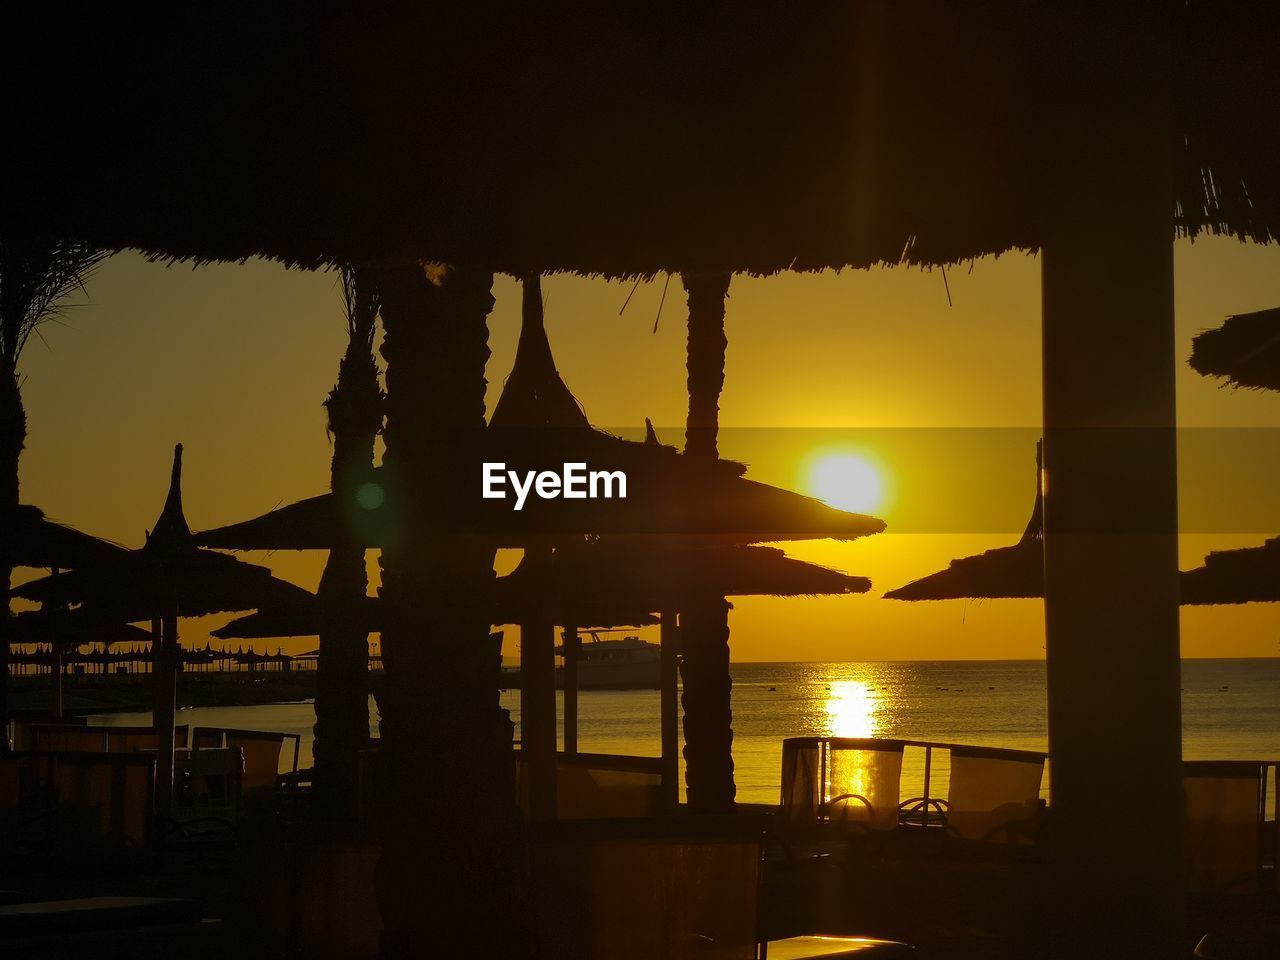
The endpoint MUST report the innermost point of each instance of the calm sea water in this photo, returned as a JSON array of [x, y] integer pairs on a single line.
[[1231, 710]]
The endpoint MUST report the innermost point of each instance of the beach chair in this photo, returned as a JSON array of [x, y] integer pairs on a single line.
[[103, 800], [1225, 813], [261, 749], [207, 789], [994, 795], [862, 780], [801, 780]]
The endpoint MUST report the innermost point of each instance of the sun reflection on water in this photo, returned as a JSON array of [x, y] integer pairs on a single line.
[[852, 709]]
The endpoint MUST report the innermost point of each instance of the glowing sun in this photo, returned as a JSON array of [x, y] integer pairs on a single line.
[[847, 481]]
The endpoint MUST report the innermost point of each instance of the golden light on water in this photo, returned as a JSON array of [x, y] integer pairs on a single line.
[[852, 708], [848, 481]]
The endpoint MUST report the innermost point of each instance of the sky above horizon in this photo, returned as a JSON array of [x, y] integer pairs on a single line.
[[233, 360]]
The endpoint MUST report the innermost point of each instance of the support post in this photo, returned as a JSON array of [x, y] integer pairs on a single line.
[[572, 643], [538, 701], [669, 685], [166, 710], [1111, 551]]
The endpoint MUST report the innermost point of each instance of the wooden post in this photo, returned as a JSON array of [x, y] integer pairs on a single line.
[[669, 684], [538, 703], [572, 643], [1111, 587], [59, 660], [166, 680]]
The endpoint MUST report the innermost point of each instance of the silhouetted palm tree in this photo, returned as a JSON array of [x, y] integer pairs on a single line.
[[704, 622], [354, 409], [35, 279], [450, 865]]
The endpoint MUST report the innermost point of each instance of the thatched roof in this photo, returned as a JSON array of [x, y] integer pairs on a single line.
[[657, 575], [36, 541], [1249, 575], [611, 138], [1245, 350], [1007, 572], [169, 573]]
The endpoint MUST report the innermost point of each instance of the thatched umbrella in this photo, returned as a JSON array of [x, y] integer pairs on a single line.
[[166, 579], [1245, 351], [1005, 572], [1248, 575], [72, 628], [38, 541]]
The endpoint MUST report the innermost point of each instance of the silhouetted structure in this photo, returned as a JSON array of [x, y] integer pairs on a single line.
[[1245, 351], [166, 579], [1093, 132], [354, 409], [1005, 572]]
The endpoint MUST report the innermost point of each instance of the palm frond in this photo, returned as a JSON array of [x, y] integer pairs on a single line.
[[36, 278], [361, 301]]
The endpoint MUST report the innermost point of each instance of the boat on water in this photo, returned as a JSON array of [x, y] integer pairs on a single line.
[[625, 663]]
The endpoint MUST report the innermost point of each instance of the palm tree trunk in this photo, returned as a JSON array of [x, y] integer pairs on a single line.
[[704, 623], [448, 876], [342, 668], [13, 436]]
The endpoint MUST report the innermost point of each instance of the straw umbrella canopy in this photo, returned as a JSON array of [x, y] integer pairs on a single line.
[[1014, 571], [1244, 351], [1248, 575], [38, 541], [666, 494], [167, 576], [72, 628], [659, 576]]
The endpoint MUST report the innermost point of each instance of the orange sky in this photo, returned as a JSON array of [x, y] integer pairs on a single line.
[[234, 361]]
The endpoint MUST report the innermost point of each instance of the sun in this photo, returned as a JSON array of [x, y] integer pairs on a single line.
[[847, 481]]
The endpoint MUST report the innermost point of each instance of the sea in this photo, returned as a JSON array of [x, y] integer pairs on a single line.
[[1230, 711]]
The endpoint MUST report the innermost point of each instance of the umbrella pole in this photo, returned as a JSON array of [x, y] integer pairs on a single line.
[[166, 709], [538, 702], [59, 659], [1111, 587], [669, 683], [572, 643]]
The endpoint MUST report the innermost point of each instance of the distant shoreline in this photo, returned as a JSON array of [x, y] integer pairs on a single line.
[[89, 695]]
